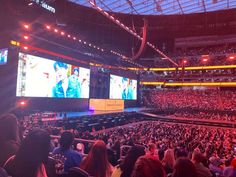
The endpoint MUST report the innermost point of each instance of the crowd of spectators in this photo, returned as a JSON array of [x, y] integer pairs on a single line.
[[155, 149], [206, 116], [194, 99]]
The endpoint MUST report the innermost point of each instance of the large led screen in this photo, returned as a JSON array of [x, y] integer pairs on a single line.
[[123, 88], [3, 56], [40, 77]]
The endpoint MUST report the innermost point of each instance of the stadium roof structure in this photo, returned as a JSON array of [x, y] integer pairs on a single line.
[[160, 7]]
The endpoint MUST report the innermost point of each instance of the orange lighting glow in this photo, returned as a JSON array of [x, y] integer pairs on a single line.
[[15, 43], [195, 68]]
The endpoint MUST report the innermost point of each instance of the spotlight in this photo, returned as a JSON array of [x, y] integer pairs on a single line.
[[26, 26], [62, 33], [22, 103], [56, 30], [25, 47], [68, 36], [74, 38], [26, 37], [184, 61], [231, 57], [30, 4], [48, 27], [204, 59]]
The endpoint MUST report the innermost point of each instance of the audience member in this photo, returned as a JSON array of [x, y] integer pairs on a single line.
[[147, 166], [9, 137], [31, 157], [202, 171], [168, 161], [72, 157], [184, 168], [231, 170], [152, 150], [96, 163], [126, 167]]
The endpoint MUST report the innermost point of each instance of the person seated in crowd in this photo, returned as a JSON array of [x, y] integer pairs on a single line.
[[126, 167], [147, 166], [197, 158], [32, 156], [168, 161], [96, 163], [231, 170], [80, 149], [65, 154], [180, 152], [216, 166], [184, 168], [152, 150], [9, 137]]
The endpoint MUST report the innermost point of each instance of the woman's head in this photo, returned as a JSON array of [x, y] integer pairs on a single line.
[[8, 128], [32, 153], [169, 158], [80, 147], [128, 164], [96, 163], [147, 166], [36, 145], [184, 167]]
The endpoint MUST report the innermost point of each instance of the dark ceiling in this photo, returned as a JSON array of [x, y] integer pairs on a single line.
[[91, 26]]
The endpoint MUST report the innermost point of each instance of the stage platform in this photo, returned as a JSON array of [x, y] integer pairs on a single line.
[[89, 113]]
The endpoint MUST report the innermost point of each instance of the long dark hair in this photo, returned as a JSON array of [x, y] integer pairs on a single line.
[[8, 128], [96, 163], [184, 167], [32, 153], [127, 164]]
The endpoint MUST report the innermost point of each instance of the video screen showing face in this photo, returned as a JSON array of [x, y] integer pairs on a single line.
[[3, 56], [123, 88], [40, 77]]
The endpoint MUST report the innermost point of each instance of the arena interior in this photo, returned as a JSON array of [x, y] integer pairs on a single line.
[[118, 88]]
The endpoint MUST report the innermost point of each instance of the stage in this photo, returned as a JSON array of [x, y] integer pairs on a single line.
[[90, 113]]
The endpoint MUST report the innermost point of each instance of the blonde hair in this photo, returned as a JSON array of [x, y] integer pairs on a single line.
[[169, 158]]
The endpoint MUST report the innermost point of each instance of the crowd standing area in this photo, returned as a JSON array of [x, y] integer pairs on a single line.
[[133, 146]]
